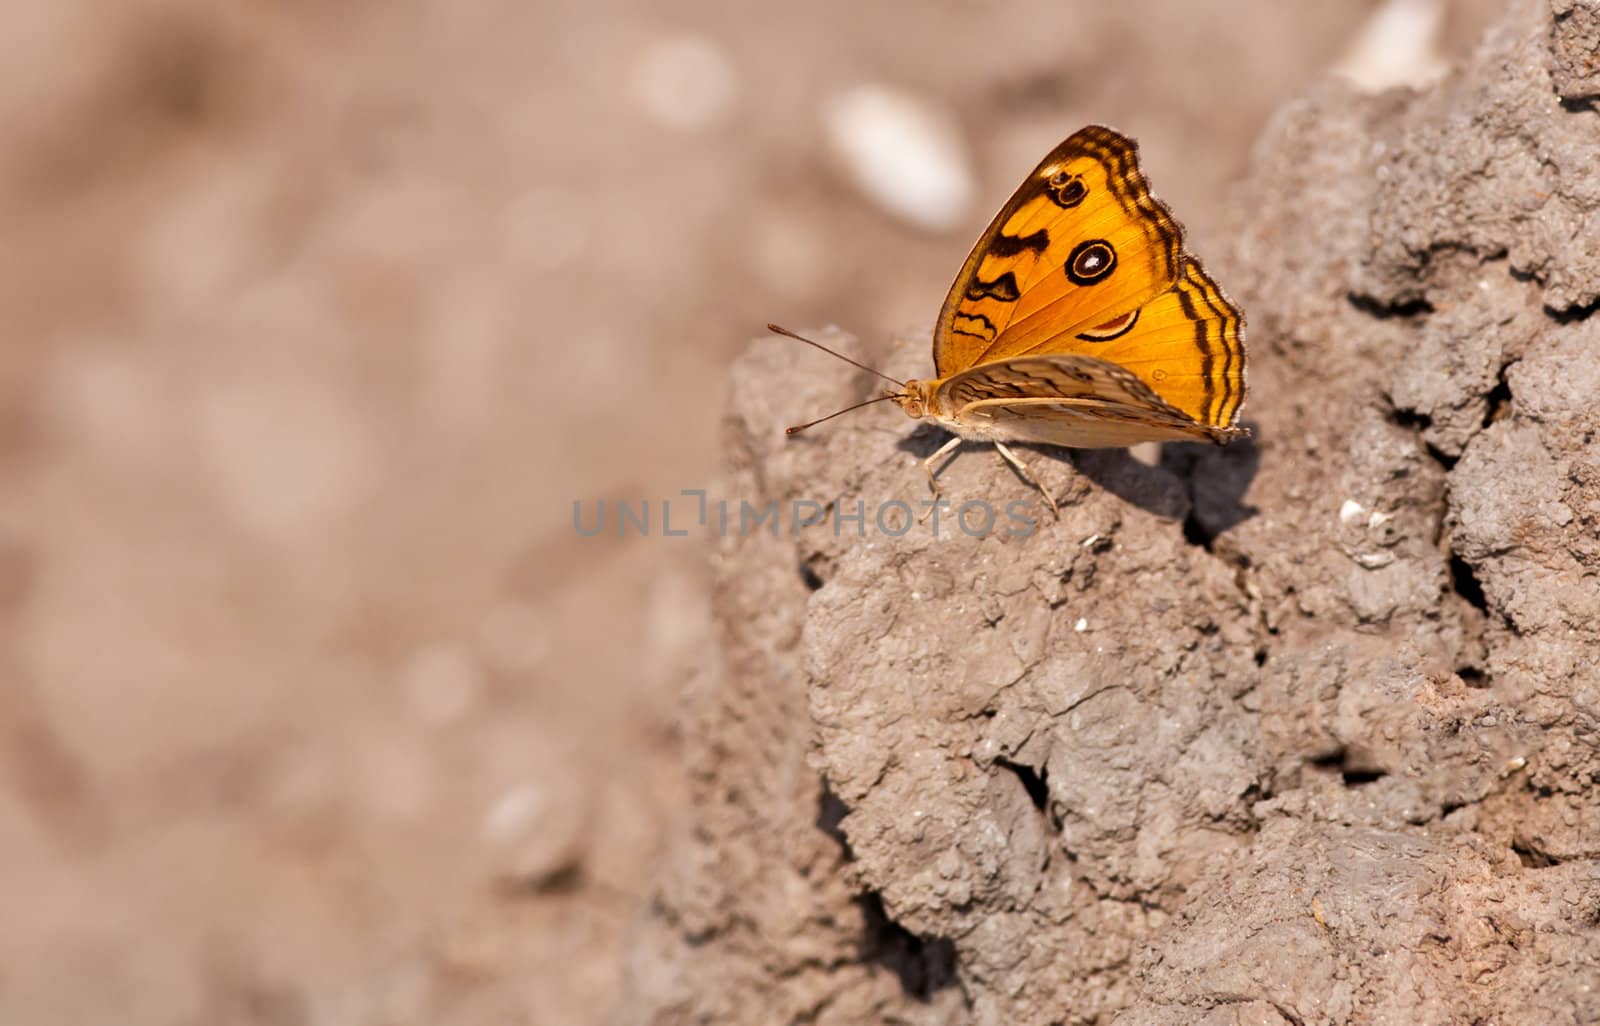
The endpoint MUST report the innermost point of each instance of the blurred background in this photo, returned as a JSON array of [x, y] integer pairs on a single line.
[[318, 319]]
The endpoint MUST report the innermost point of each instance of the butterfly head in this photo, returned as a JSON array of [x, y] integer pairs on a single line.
[[917, 399]]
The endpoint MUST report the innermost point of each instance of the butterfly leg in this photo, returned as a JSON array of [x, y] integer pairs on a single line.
[[927, 465], [1022, 470]]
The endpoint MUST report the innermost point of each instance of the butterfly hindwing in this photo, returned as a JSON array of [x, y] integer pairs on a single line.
[[1067, 399], [1187, 345], [1079, 249]]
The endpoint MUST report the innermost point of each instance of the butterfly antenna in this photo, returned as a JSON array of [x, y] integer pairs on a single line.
[[818, 345], [801, 427]]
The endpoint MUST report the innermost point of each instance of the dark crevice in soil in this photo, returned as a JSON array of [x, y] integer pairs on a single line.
[[1249, 798], [815, 570], [1499, 400], [1439, 456], [924, 965], [1410, 419], [831, 811], [1572, 314], [1035, 782], [565, 879], [1419, 423], [1388, 311], [1289, 1014], [1463, 579], [1352, 772], [1464, 582], [1532, 857]]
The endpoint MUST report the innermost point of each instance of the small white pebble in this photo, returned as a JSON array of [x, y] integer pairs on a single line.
[[535, 831], [514, 810], [1351, 512], [1398, 46], [1148, 453], [1087, 542], [1378, 519], [1081, 626], [908, 157]]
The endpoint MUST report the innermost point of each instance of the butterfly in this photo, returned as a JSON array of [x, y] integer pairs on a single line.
[[1080, 320]]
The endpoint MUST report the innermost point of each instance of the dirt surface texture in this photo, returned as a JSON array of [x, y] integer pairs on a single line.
[[323, 318], [1303, 730]]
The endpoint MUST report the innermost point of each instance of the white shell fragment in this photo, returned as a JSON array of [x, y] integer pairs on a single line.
[[906, 156], [1397, 46]]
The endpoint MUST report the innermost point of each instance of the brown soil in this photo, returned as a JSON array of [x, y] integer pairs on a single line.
[[321, 317]]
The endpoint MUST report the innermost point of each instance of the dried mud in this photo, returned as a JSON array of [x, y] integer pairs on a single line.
[[1304, 730]]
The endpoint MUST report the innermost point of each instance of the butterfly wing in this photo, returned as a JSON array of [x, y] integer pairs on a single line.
[[1065, 399], [1080, 247], [1084, 260], [1174, 372], [1187, 345]]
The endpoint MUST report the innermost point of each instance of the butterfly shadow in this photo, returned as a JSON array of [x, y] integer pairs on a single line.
[[1218, 478], [1201, 484]]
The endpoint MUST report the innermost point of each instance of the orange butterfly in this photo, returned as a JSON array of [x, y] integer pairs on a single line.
[[1080, 320]]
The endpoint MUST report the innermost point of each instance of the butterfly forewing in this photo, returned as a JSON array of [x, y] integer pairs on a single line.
[[1079, 248], [1085, 261]]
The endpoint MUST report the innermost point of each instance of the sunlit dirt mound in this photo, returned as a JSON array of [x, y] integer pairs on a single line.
[[1305, 730]]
